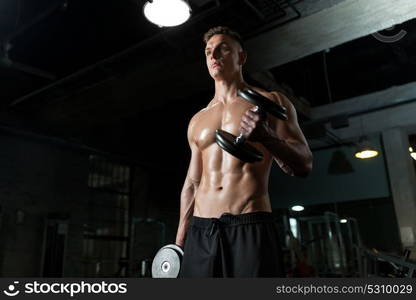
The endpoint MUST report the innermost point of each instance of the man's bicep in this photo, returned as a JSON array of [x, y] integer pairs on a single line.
[[195, 165], [289, 130]]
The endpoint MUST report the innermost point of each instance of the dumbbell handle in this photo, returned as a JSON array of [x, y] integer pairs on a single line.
[[240, 139]]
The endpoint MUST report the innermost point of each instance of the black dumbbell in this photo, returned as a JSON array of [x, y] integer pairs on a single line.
[[237, 145]]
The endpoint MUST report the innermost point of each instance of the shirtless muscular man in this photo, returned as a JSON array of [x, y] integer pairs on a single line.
[[226, 225]]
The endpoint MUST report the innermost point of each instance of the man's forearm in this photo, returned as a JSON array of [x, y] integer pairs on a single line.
[[186, 212], [296, 156], [183, 225]]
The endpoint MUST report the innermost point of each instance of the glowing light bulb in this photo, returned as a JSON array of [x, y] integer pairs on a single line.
[[167, 13], [366, 154], [297, 208]]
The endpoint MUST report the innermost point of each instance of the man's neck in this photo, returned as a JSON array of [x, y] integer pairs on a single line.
[[226, 90]]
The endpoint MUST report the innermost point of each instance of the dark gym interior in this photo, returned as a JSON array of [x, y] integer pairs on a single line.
[[95, 104]]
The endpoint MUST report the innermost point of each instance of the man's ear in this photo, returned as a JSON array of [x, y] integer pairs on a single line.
[[242, 57]]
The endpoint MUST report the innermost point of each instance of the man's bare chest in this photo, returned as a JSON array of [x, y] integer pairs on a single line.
[[226, 117]]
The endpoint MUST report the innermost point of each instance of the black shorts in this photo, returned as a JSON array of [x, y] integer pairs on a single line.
[[245, 245]]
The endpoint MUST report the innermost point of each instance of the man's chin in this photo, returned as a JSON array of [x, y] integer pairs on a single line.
[[217, 75]]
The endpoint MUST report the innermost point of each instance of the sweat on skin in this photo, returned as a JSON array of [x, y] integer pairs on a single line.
[[217, 182]]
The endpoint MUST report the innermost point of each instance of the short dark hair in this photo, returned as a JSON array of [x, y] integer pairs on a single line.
[[223, 30]]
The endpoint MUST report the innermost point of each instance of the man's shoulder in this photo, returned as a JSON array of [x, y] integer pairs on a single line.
[[275, 96], [201, 112], [205, 109], [210, 104], [278, 97]]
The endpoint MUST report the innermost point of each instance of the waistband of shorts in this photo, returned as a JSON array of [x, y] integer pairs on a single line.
[[227, 219]]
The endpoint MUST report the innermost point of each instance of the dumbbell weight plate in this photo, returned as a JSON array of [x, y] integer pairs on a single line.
[[167, 262], [244, 152], [263, 103]]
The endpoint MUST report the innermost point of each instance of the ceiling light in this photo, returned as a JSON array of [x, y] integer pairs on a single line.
[[167, 13], [364, 154], [365, 149], [412, 153], [343, 221], [297, 208]]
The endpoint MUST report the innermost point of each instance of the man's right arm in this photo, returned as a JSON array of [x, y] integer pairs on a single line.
[[189, 189]]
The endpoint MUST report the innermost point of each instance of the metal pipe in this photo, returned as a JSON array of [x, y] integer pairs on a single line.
[[380, 256], [357, 113], [253, 8]]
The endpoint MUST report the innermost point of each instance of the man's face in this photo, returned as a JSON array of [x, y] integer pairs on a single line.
[[224, 56]]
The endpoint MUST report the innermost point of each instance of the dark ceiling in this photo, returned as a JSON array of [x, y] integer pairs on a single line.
[[356, 68], [64, 37], [95, 70], [55, 54]]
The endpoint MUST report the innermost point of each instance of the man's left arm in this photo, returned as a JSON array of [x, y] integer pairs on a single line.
[[283, 139]]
